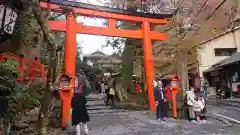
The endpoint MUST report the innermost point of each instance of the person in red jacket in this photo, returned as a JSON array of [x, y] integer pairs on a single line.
[[167, 95], [138, 88]]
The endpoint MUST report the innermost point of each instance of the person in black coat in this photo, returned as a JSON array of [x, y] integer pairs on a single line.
[[79, 111], [160, 101]]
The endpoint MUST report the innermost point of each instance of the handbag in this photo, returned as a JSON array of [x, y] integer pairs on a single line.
[[112, 91], [189, 102]]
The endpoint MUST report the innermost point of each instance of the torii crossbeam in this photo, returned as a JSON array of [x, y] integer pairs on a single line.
[[71, 27]]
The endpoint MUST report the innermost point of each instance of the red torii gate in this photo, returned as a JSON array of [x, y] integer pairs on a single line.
[[71, 28]]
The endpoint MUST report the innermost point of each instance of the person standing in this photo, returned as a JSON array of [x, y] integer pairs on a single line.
[[110, 96], [137, 87], [159, 97], [79, 111], [106, 89], [190, 95], [168, 99]]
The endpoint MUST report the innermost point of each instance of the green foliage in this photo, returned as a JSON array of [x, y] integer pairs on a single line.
[[8, 74], [19, 97]]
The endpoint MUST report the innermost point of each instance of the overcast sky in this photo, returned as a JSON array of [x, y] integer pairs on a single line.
[[91, 43]]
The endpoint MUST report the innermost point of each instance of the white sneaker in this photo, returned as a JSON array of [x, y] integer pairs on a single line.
[[204, 121], [158, 119], [78, 129], [85, 128], [193, 121]]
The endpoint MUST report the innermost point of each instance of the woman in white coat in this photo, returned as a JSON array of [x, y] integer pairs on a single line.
[[191, 102]]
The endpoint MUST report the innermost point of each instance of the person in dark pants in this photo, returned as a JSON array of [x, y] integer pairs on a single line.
[[106, 89], [159, 97], [79, 110], [167, 97], [79, 113], [110, 96]]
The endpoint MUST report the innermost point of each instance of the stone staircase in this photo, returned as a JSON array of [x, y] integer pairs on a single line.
[[96, 105]]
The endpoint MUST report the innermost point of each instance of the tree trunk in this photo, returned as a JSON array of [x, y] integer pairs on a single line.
[[118, 88], [24, 36], [127, 65], [182, 68], [53, 65]]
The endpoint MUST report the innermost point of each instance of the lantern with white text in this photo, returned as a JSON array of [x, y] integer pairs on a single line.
[[8, 17], [175, 88], [65, 89]]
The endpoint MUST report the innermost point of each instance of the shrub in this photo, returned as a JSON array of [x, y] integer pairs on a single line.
[[16, 97]]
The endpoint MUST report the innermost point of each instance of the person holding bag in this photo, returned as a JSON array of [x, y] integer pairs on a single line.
[[111, 96], [190, 95]]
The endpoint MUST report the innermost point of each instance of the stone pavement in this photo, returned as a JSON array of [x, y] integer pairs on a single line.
[[225, 108], [106, 121], [143, 123]]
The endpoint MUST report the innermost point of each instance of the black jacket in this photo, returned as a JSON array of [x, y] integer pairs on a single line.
[[158, 93], [107, 90]]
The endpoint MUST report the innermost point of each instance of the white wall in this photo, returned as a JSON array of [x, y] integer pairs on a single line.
[[206, 53]]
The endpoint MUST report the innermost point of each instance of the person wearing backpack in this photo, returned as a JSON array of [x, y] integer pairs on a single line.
[[79, 110]]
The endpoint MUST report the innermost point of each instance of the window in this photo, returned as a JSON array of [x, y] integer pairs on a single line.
[[225, 51]]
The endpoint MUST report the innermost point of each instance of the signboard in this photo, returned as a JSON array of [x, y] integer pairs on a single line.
[[174, 84], [1, 14], [64, 83], [10, 19]]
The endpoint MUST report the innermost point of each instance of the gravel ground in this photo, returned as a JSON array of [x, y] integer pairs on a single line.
[[144, 123], [116, 122]]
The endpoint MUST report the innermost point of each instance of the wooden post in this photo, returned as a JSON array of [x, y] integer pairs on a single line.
[[21, 68], [70, 45], [1, 57], [70, 63], [32, 71], [42, 71], [149, 68]]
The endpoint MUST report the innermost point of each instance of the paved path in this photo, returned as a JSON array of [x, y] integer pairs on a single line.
[[105, 121], [143, 123], [225, 108]]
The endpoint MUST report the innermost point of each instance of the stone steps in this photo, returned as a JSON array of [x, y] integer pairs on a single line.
[[92, 112], [102, 107], [96, 106]]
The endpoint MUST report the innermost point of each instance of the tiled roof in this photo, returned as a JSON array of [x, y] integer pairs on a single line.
[[230, 60]]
